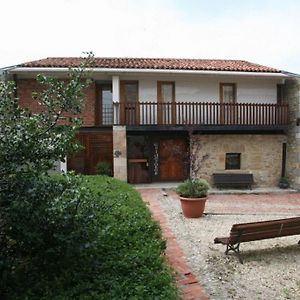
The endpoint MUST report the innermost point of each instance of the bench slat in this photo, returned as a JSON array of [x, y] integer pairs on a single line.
[[262, 223], [276, 227], [233, 179], [255, 236]]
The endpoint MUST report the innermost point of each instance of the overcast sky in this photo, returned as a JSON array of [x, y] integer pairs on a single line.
[[261, 31]]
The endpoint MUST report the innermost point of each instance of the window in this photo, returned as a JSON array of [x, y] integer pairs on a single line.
[[166, 111], [233, 161], [227, 92], [129, 98], [166, 91], [104, 105]]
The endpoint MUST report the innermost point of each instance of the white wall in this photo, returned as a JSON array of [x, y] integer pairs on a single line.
[[206, 89]]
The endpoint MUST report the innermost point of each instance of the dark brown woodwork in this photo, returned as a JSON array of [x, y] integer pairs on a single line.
[[227, 113], [163, 108], [204, 113], [99, 103], [233, 180], [138, 149], [129, 108], [138, 171], [97, 148], [172, 159], [222, 85]]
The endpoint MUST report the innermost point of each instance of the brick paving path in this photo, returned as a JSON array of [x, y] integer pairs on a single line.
[[252, 204], [187, 283]]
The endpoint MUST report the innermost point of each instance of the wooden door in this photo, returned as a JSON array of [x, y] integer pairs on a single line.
[[100, 149], [129, 102], [77, 162], [97, 147], [166, 109], [138, 150], [173, 159], [228, 99]]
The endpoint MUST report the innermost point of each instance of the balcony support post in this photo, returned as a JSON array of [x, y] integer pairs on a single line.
[[116, 98]]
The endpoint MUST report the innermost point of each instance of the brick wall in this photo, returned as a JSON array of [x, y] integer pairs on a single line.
[[25, 87]]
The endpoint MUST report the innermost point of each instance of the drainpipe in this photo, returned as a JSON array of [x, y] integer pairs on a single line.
[[283, 165]]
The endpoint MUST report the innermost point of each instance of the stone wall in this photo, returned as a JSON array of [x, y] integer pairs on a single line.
[[292, 96], [261, 155], [120, 152]]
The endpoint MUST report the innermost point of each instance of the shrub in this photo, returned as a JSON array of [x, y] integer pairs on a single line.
[[193, 188], [104, 168], [47, 224], [89, 238]]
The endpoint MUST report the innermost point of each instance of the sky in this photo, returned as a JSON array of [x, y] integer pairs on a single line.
[[260, 31]]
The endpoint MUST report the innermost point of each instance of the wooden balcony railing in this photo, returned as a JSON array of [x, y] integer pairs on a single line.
[[200, 113]]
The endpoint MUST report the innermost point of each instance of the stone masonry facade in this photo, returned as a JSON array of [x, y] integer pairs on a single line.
[[261, 155], [292, 95]]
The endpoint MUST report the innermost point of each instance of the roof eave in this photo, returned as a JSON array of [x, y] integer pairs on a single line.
[[22, 70]]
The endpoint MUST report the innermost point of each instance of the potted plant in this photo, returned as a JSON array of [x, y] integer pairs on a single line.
[[193, 195], [284, 183]]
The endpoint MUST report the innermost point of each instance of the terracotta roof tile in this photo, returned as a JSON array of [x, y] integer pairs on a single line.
[[155, 63]]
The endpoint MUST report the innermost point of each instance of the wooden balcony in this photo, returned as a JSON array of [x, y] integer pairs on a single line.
[[201, 114]]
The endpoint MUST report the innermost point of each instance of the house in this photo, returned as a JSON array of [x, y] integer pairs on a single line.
[[142, 114]]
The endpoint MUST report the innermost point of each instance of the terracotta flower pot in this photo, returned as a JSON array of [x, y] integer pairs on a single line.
[[193, 207]]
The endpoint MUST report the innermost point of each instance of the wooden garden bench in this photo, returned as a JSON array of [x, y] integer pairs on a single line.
[[255, 231], [233, 179]]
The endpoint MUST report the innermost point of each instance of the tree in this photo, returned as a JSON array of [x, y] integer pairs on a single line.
[[31, 142], [44, 221]]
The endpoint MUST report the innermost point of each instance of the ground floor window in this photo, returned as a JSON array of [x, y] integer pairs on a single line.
[[233, 161]]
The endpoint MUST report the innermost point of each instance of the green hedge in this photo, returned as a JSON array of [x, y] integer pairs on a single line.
[[130, 243], [111, 249]]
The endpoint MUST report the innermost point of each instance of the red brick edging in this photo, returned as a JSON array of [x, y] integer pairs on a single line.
[[186, 281]]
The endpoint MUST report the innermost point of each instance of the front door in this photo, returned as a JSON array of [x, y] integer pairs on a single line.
[[173, 159], [155, 158], [138, 152]]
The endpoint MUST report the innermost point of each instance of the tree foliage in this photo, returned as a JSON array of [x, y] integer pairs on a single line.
[[64, 237], [31, 142], [43, 221]]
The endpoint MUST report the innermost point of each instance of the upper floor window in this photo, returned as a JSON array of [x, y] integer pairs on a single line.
[[166, 113], [165, 91], [227, 92], [129, 91], [104, 105]]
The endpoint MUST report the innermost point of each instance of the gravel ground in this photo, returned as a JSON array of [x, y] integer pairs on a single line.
[[271, 267]]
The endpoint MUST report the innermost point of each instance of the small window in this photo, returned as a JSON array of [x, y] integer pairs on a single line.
[[233, 161]]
